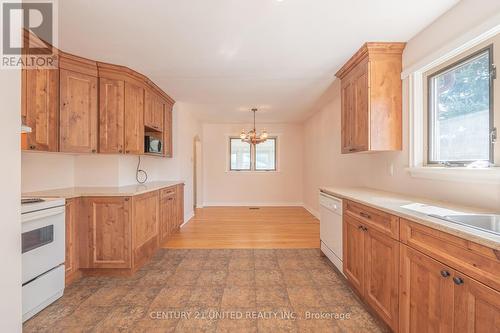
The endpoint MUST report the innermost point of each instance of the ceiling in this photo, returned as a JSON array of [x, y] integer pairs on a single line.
[[226, 56]]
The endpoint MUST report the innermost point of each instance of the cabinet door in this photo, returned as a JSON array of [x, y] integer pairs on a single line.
[[134, 119], [153, 112], [167, 213], [111, 115], [477, 307], [41, 109], [71, 262], [78, 112], [110, 230], [167, 130], [347, 115], [382, 275], [146, 213], [180, 204], [360, 117], [426, 293], [353, 250]]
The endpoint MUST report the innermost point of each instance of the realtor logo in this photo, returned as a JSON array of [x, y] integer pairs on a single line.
[[29, 34]]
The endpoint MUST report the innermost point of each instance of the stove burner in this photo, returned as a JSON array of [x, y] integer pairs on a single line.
[[31, 200]]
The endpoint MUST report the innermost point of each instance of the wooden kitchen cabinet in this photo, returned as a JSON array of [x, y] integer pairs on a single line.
[[353, 251], [426, 293], [134, 118], [106, 237], [145, 226], [371, 264], [167, 131], [476, 306], [41, 108], [180, 205], [78, 112], [71, 262], [168, 213], [111, 115], [381, 277], [371, 95], [153, 111], [435, 297]]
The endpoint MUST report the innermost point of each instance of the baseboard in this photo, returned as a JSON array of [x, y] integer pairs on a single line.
[[253, 204], [314, 212], [187, 218]]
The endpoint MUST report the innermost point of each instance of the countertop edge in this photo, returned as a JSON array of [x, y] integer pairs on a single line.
[[73, 194], [447, 227]]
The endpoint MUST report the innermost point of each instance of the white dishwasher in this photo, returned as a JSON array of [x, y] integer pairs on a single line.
[[331, 228]]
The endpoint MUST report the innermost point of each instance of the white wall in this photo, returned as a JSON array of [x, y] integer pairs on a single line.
[[250, 188], [10, 204], [324, 165], [41, 171]]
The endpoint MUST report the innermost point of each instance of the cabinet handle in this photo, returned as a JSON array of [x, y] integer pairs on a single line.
[[458, 280], [352, 149], [445, 273], [360, 227], [127, 151], [120, 151], [365, 215], [32, 147], [94, 151]]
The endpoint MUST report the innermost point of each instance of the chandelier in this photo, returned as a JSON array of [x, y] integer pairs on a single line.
[[252, 137]]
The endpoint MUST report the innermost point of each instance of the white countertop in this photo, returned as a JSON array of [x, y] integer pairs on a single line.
[[112, 191], [393, 203]]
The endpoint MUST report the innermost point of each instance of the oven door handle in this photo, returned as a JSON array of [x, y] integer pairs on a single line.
[[42, 214]]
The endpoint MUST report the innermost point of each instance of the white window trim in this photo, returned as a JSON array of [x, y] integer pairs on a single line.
[[255, 172], [414, 85]]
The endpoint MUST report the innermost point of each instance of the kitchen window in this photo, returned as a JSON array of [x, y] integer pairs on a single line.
[[247, 157], [460, 111]]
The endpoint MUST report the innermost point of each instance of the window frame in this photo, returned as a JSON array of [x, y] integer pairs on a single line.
[[430, 112], [253, 157], [230, 153]]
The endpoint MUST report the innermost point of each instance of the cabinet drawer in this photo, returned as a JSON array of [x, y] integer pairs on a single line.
[[167, 192], [475, 260], [377, 219]]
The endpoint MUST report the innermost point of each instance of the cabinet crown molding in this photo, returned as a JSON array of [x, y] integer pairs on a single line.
[[370, 49]]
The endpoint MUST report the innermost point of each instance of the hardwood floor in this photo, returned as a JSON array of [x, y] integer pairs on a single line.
[[243, 227]]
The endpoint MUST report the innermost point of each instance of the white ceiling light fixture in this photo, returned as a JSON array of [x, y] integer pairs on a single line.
[[252, 137]]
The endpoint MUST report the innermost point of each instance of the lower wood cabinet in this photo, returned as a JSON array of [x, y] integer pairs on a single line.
[[426, 293], [168, 213], [117, 235], [420, 279], [437, 298], [106, 240], [145, 226], [371, 264], [71, 262]]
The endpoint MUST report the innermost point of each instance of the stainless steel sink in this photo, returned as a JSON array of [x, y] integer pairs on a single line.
[[485, 222]]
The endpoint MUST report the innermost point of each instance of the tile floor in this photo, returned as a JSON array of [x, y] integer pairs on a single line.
[[213, 291]]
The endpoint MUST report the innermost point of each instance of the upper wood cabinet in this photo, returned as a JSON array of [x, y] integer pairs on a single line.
[[111, 115], [371, 99], [89, 107], [167, 131], [153, 111], [134, 118], [78, 121], [41, 108]]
